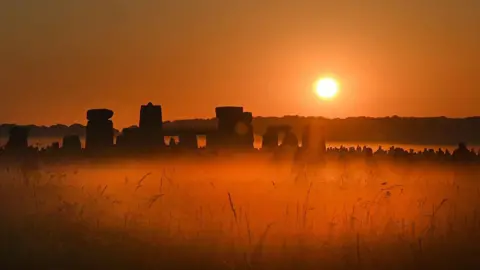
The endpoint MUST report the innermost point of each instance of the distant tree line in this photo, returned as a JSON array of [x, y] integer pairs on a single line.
[[405, 130]]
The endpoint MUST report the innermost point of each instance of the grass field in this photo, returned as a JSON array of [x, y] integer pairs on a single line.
[[239, 213]]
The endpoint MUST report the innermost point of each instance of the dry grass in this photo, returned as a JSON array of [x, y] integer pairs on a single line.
[[243, 213]]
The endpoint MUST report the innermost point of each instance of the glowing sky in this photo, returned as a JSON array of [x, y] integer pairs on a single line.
[[411, 58]]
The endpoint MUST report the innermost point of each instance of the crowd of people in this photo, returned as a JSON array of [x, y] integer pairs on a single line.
[[461, 154]]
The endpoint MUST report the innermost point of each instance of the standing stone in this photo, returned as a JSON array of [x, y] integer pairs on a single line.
[[172, 143], [55, 146], [72, 143], [18, 139], [313, 142], [247, 135], [151, 125], [322, 145], [100, 134], [270, 138], [233, 127], [188, 141], [129, 138], [306, 137], [151, 117], [228, 117], [290, 139]]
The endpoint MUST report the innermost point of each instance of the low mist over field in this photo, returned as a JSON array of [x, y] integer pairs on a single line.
[[239, 135], [240, 212]]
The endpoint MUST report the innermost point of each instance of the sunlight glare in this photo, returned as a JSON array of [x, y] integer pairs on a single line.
[[326, 88]]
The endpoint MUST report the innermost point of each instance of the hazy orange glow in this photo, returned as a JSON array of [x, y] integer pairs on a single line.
[[326, 88], [211, 203], [407, 58]]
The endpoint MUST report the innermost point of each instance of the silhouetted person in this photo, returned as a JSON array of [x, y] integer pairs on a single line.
[[368, 152], [380, 151]]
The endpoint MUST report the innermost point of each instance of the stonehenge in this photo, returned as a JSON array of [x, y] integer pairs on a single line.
[[99, 135]]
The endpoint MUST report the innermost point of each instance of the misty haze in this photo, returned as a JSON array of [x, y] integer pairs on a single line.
[[188, 134]]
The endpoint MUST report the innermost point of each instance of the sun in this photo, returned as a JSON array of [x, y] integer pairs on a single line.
[[326, 88]]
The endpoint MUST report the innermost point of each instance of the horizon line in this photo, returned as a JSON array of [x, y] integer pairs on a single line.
[[284, 116]]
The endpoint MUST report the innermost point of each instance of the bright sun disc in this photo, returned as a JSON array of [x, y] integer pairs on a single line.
[[326, 88]]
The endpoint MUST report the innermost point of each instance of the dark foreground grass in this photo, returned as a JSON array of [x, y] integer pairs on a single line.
[[221, 216]]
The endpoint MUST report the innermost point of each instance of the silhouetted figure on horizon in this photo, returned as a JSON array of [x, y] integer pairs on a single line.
[[368, 152], [380, 151]]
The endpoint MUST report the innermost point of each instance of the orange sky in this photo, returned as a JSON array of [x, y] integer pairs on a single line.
[[409, 58]]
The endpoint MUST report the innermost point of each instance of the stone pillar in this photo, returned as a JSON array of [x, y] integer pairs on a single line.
[[188, 141], [323, 142], [55, 146], [151, 125], [306, 137], [129, 138], [18, 139], [72, 143], [151, 117], [228, 117], [270, 138], [100, 133], [172, 143], [228, 124], [290, 139], [248, 136]]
